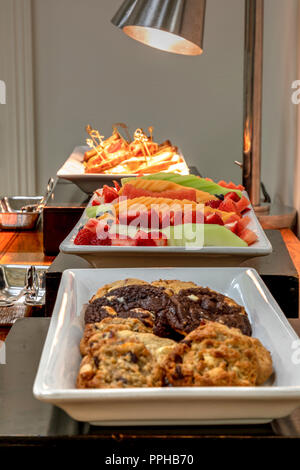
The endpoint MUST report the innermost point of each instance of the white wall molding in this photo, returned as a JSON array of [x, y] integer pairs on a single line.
[[17, 145]]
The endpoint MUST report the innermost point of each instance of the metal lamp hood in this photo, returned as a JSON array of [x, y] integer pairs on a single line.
[[171, 25]]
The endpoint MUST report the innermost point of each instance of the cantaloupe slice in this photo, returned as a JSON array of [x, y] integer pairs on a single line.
[[161, 185]]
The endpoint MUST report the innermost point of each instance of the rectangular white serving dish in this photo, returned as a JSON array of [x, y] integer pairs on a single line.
[[58, 368], [133, 256], [73, 170]]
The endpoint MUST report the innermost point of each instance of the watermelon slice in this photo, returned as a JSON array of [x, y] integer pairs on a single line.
[[242, 204], [228, 205], [132, 192], [231, 185], [248, 236]]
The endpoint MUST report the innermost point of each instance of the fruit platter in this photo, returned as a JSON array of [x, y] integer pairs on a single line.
[[101, 161], [166, 217]]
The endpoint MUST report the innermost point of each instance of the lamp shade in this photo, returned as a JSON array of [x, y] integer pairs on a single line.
[[170, 25]]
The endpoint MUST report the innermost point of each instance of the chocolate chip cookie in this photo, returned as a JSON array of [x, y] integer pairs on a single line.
[[114, 285], [93, 332], [213, 355], [147, 303], [173, 286], [191, 306], [121, 361]]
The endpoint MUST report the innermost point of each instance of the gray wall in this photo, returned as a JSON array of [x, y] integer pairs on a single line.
[[87, 71]]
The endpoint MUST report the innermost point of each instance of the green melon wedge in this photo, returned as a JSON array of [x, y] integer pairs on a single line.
[[91, 211], [213, 235]]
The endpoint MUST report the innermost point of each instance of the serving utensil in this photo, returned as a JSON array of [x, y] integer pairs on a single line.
[[38, 207], [30, 290]]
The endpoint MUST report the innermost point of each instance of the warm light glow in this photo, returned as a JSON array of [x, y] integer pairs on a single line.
[[162, 40], [247, 137]]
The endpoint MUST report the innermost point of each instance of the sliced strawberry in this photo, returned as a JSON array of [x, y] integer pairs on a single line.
[[232, 195], [213, 219], [109, 194], [213, 203], [92, 225], [117, 186], [248, 236], [95, 203], [85, 237]]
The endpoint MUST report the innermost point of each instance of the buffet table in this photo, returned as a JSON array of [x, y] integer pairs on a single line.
[[26, 421]]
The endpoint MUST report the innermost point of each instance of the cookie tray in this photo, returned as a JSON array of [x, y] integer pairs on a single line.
[[59, 364]]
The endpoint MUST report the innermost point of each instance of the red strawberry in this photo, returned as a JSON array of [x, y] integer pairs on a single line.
[[85, 237], [117, 186], [95, 203], [92, 225], [213, 203], [109, 194]]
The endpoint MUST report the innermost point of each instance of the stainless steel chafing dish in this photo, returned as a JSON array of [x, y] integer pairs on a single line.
[[23, 212], [13, 218]]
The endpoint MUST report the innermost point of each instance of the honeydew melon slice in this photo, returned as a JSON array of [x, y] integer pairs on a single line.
[[94, 211], [202, 235]]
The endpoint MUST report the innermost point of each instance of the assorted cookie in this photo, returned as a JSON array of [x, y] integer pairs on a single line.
[[191, 306], [168, 333], [214, 355], [147, 303]]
